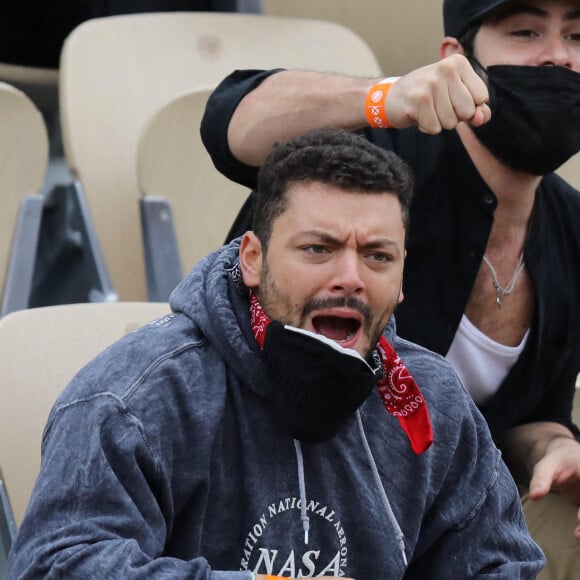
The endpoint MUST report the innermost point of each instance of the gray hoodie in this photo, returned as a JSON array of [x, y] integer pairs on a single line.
[[163, 459]]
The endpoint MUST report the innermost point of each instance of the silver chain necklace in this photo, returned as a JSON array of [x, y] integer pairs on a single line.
[[501, 292]]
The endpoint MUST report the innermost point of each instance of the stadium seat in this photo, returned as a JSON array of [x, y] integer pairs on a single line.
[[39, 84], [117, 72], [7, 527], [188, 206], [570, 171], [23, 162], [404, 35], [42, 349], [576, 408]]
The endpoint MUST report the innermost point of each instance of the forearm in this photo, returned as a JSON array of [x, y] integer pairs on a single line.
[[527, 444], [290, 103]]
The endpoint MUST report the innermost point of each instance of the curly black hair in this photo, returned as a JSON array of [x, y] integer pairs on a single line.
[[329, 156]]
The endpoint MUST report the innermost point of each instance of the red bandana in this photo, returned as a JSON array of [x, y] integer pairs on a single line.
[[397, 388]]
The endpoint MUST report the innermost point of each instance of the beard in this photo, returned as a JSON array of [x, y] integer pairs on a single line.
[[277, 307]]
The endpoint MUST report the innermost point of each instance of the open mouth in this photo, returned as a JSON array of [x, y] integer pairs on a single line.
[[336, 328]]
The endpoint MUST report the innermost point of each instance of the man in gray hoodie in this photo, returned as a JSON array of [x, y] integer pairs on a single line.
[[274, 424]]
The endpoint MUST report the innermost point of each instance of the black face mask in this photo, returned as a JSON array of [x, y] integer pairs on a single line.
[[317, 386], [535, 116]]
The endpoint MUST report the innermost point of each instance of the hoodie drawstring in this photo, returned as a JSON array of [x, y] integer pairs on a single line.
[[382, 492], [302, 486], [385, 500]]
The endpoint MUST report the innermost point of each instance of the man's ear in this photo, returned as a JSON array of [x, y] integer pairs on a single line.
[[450, 46], [251, 259], [401, 295]]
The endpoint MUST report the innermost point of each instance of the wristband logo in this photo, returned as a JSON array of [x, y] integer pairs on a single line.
[[375, 104], [377, 96], [375, 114], [266, 549]]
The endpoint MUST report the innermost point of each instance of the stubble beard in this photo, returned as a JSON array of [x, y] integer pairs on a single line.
[[268, 291]]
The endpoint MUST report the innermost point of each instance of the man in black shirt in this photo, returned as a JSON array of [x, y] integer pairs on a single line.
[[492, 277]]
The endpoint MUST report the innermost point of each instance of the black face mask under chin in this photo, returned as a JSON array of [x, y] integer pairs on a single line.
[[535, 116], [316, 388]]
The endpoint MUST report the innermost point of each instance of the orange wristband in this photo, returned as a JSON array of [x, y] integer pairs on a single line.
[[375, 104]]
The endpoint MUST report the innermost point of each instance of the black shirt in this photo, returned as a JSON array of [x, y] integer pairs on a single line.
[[451, 219]]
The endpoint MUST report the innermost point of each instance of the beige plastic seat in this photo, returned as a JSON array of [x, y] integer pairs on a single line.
[[7, 527], [189, 205], [116, 72], [42, 349], [23, 163], [404, 34], [570, 171], [39, 84], [576, 408]]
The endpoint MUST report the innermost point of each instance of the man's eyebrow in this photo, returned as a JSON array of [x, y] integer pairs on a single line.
[[572, 15], [320, 236], [380, 243], [330, 239]]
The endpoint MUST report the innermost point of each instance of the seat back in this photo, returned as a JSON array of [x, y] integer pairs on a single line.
[[116, 72], [570, 171], [178, 180], [39, 84], [7, 527], [42, 349], [576, 406], [404, 34], [23, 163]]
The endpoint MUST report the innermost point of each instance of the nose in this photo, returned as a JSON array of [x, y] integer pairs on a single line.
[[347, 278], [555, 52]]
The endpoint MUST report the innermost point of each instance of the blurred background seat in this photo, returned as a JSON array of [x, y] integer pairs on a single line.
[[570, 171], [188, 206], [23, 162], [404, 35], [42, 349], [7, 527], [576, 409], [39, 84]]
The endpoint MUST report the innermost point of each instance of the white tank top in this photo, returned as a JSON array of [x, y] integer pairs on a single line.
[[481, 363]]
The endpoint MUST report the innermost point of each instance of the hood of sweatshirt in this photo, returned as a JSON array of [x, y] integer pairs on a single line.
[[214, 297]]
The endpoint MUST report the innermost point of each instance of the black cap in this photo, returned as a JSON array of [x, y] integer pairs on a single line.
[[459, 14]]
